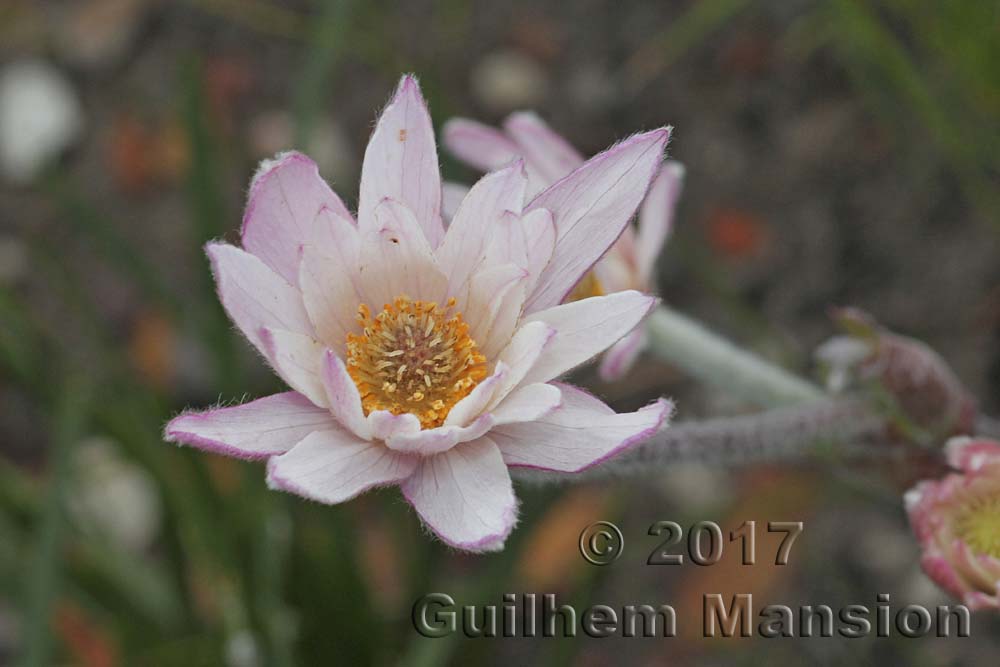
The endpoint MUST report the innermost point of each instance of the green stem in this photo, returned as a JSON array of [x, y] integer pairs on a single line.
[[719, 363]]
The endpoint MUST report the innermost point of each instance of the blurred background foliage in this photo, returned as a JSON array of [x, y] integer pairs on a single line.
[[838, 151]]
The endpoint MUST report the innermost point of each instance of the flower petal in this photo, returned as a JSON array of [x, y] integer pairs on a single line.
[[547, 152], [435, 441], [385, 425], [290, 205], [465, 496], [470, 407], [478, 145], [486, 297], [255, 430], [591, 207], [465, 246], [452, 195], [333, 466], [254, 295], [401, 162], [971, 454], [581, 433], [520, 355], [297, 359], [585, 328], [343, 397], [620, 357], [396, 259], [656, 218], [528, 404], [331, 294]]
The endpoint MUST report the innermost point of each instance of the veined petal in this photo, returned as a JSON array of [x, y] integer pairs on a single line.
[[527, 241], [520, 355], [620, 357], [591, 207], [452, 195], [465, 496], [528, 404], [401, 163], [478, 145], [486, 297], [290, 205], [343, 397], [297, 359], [385, 425], [656, 218], [465, 245], [254, 295], [397, 260], [254, 430], [334, 465], [331, 294], [551, 155], [585, 328], [581, 433], [470, 407], [435, 441]]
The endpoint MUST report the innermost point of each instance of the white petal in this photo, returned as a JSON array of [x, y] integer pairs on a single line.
[[520, 355], [384, 424], [620, 357], [396, 260], [586, 328], [581, 433], [290, 205], [333, 466], [434, 441], [297, 359], [258, 429], [551, 155], [401, 163], [478, 145], [452, 195], [470, 407], [465, 496], [331, 294], [591, 207], [656, 217], [481, 306], [254, 295], [527, 404], [465, 245], [343, 397]]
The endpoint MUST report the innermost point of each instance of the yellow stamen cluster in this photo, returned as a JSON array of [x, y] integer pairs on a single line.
[[414, 357], [978, 525], [588, 286]]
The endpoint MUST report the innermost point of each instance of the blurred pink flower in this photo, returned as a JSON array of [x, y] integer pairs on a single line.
[[421, 357], [631, 261], [957, 520]]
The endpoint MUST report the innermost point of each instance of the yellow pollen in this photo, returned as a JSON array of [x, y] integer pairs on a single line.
[[588, 286], [414, 356], [978, 525]]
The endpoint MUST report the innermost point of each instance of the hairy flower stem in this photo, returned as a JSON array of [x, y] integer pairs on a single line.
[[707, 356], [835, 427]]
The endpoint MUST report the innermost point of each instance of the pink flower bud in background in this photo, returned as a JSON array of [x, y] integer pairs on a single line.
[[957, 520]]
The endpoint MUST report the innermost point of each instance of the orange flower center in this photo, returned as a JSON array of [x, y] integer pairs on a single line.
[[978, 525], [415, 357]]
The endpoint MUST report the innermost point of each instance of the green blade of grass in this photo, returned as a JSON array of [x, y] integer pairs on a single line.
[[44, 581]]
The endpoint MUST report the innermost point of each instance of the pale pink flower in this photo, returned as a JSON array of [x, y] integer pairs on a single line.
[[421, 357], [957, 520], [630, 264]]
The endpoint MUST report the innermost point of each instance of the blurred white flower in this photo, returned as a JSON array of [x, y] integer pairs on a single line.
[[40, 116], [507, 80], [112, 497]]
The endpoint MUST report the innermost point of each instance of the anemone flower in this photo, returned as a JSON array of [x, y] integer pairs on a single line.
[[419, 356], [957, 520], [548, 157]]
